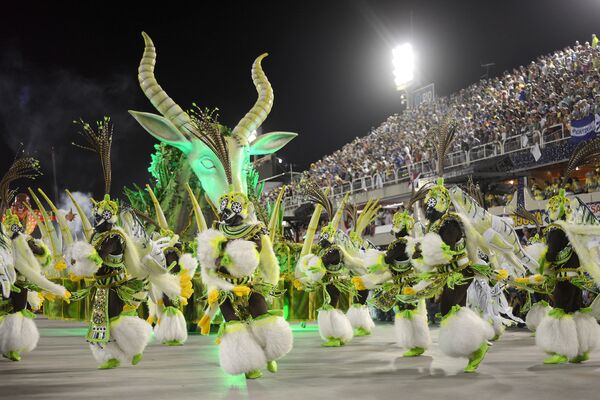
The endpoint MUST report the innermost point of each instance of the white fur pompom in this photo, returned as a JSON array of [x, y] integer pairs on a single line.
[[171, 327], [359, 317], [372, 258], [536, 251], [412, 332], [535, 315], [309, 269], [82, 259], [132, 334], [431, 248], [244, 257], [463, 333], [209, 243], [410, 247], [274, 335], [239, 351], [334, 324], [188, 263], [558, 334], [588, 332], [18, 333]]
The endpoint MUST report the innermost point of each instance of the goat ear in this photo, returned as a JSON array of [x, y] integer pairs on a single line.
[[270, 142], [163, 130]]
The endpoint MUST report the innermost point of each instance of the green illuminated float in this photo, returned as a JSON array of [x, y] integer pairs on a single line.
[[238, 264]]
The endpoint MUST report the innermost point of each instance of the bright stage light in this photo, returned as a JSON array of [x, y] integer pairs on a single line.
[[403, 60]]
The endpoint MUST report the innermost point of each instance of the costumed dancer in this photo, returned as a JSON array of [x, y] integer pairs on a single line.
[[236, 256], [536, 249], [328, 269], [116, 334], [449, 252], [483, 297], [164, 309], [358, 312], [394, 287], [23, 260], [240, 270], [410, 322], [572, 262], [29, 218]]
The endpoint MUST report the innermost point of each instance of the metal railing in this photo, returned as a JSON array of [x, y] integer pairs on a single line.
[[454, 160]]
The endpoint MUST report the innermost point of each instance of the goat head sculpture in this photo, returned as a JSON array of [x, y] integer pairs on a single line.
[[220, 158]]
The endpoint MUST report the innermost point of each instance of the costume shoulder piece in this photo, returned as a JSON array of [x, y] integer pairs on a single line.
[[490, 232], [243, 231], [574, 218], [99, 237], [446, 218]]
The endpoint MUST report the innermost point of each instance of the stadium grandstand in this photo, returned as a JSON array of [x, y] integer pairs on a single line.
[[514, 132]]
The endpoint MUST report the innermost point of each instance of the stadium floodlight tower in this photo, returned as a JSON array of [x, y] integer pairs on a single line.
[[403, 60]]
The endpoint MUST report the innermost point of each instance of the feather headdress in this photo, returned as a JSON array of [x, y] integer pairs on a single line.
[[208, 130], [587, 152], [318, 196], [26, 167], [419, 195], [99, 141], [445, 133], [351, 213], [474, 191], [527, 215]]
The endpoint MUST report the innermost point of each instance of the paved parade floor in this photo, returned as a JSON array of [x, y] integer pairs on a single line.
[[368, 368]]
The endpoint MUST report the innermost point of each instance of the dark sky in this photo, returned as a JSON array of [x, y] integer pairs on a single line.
[[329, 64]]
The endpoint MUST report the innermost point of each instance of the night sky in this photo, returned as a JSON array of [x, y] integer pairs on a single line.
[[329, 64]]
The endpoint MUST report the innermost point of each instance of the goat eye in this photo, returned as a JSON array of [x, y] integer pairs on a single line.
[[207, 163]]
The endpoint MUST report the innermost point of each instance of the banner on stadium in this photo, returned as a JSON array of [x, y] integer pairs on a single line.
[[595, 207], [542, 216], [584, 128]]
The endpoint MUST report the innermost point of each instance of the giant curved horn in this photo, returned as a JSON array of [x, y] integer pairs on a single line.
[[156, 94], [259, 111]]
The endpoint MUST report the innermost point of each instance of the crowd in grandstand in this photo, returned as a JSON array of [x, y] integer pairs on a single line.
[[550, 187], [554, 89]]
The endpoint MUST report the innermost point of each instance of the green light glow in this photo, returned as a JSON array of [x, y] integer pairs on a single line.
[[286, 311], [307, 328], [236, 382], [58, 332]]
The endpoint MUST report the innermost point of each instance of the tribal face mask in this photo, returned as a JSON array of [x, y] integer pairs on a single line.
[[105, 211], [11, 223], [402, 221], [437, 200], [327, 235], [233, 206]]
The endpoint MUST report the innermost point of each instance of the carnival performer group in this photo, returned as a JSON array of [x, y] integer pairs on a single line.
[[134, 277]]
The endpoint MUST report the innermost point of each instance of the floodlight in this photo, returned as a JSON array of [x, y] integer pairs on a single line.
[[403, 60]]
